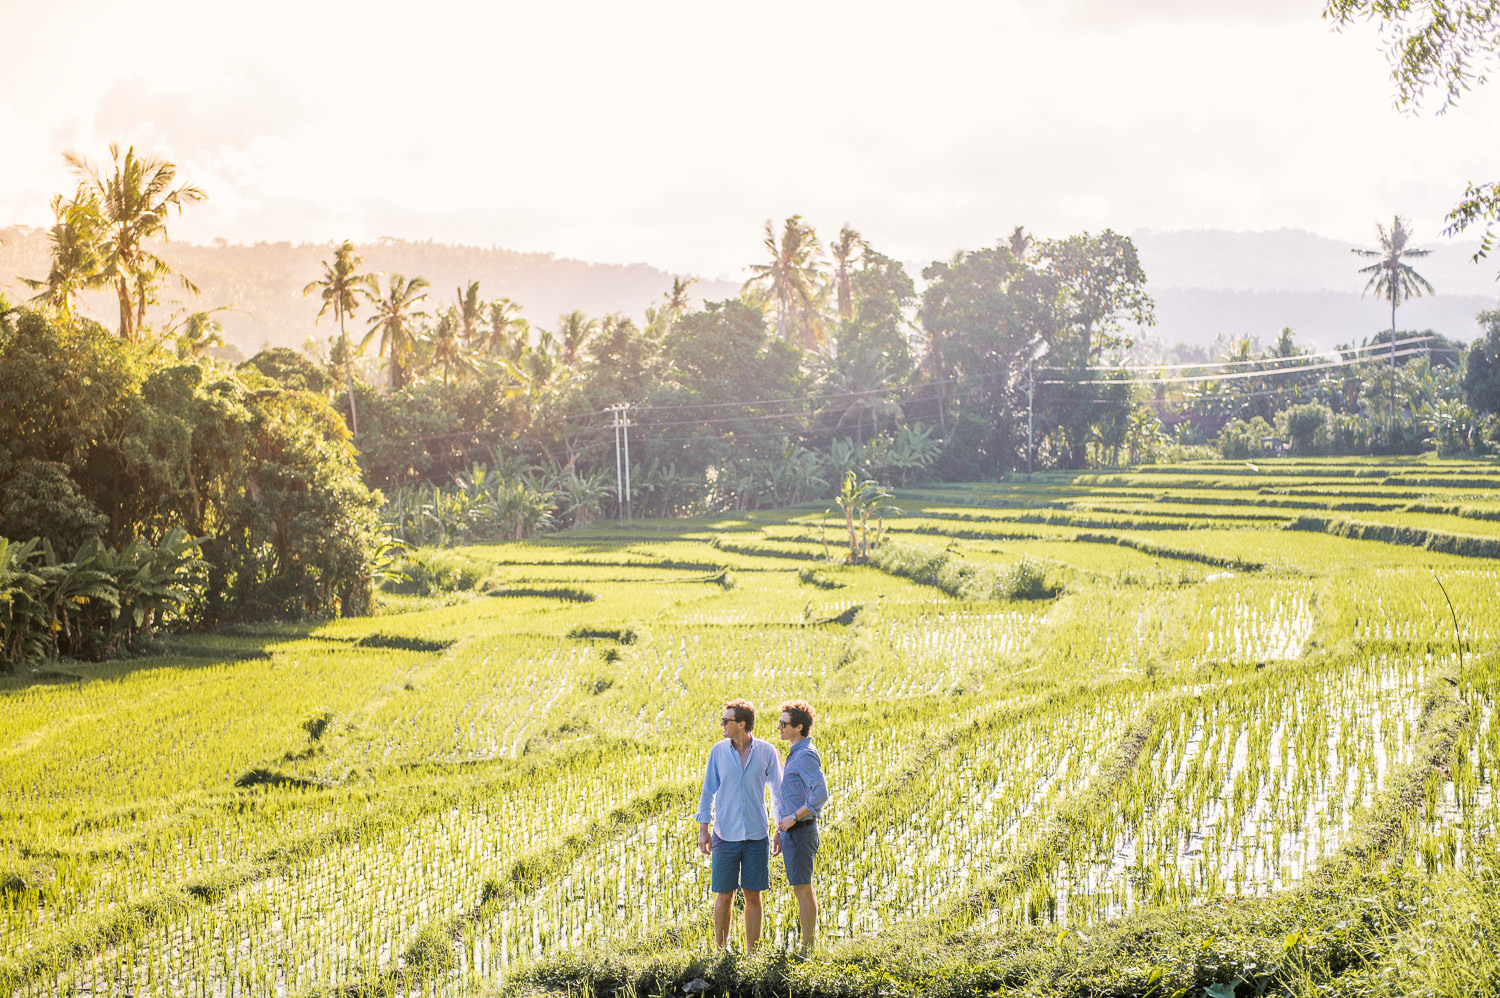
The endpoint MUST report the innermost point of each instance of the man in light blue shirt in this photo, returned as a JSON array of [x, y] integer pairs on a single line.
[[733, 803], [803, 794]]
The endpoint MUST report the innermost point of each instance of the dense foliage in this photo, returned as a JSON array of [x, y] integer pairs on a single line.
[[111, 447]]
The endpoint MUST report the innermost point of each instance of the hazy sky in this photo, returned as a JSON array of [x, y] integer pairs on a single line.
[[668, 131]]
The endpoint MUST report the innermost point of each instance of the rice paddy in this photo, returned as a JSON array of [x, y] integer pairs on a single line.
[[1225, 694]]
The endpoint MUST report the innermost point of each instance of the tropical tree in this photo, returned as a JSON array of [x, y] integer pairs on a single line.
[[845, 252], [659, 321], [132, 204], [574, 331], [790, 280], [508, 332], [1101, 283], [447, 344], [395, 322], [1481, 377], [470, 312], [195, 333], [1391, 277], [341, 288], [76, 267]]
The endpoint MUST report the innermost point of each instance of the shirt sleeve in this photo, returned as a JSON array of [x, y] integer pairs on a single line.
[[773, 776], [710, 786], [817, 787]]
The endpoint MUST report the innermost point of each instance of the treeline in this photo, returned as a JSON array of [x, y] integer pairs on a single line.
[[139, 492]]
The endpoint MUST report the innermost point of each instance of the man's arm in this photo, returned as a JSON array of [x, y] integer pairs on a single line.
[[705, 806], [817, 788], [773, 777]]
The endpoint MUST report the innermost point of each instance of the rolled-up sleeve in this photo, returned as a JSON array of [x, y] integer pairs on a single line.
[[817, 787], [774, 777], [710, 787]]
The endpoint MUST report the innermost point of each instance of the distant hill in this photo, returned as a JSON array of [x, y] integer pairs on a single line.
[[264, 282], [1212, 282], [1206, 283]]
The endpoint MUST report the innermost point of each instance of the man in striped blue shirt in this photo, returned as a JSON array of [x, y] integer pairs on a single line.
[[733, 827], [803, 794]]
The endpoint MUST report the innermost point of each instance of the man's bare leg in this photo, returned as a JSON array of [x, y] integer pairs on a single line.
[[807, 915], [723, 907], [753, 920]]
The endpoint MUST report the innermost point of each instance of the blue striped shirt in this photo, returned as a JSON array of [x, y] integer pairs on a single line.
[[734, 792], [802, 781]]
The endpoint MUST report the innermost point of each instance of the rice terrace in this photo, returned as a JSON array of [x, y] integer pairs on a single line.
[[1198, 729]]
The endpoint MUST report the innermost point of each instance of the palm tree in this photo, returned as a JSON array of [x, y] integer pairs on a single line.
[[395, 315], [677, 298], [447, 343], [1019, 243], [195, 332], [845, 252], [574, 332], [75, 255], [508, 331], [1390, 277], [791, 279], [659, 322], [132, 205], [469, 309], [341, 289]]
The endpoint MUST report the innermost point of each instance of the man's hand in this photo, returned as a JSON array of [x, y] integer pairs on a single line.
[[776, 844], [786, 823], [705, 841]]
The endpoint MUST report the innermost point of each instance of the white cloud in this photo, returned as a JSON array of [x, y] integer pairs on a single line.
[[669, 131]]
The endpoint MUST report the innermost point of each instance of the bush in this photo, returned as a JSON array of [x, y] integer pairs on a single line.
[[1349, 433], [1306, 426], [97, 602], [429, 571], [1239, 440], [1026, 579]]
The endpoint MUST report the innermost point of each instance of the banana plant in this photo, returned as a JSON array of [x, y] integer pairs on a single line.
[[73, 589], [860, 500], [24, 632]]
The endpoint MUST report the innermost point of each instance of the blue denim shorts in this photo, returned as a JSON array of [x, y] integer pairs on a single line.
[[799, 846], [744, 864]]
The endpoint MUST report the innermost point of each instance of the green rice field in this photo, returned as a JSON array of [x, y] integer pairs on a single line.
[[1053, 713]]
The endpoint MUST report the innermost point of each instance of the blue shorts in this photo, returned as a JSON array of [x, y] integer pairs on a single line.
[[744, 864], [799, 846]]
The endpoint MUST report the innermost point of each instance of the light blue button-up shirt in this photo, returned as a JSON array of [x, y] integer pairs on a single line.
[[734, 792], [802, 782]]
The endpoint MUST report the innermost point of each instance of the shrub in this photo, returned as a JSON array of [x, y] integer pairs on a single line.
[[428, 571], [1306, 426], [1239, 440]]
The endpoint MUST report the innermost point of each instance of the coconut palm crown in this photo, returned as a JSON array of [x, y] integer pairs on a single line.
[[1391, 277]]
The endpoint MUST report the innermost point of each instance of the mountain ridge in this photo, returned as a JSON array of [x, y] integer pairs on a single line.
[[1207, 283]]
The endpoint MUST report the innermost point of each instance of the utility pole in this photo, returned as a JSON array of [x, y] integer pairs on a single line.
[[621, 423], [625, 427], [1038, 350], [614, 414]]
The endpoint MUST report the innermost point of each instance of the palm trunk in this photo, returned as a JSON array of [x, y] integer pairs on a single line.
[[127, 312], [348, 376]]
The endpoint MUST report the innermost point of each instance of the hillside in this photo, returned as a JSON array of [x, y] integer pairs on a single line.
[[1206, 284], [264, 281], [1212, 282]]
